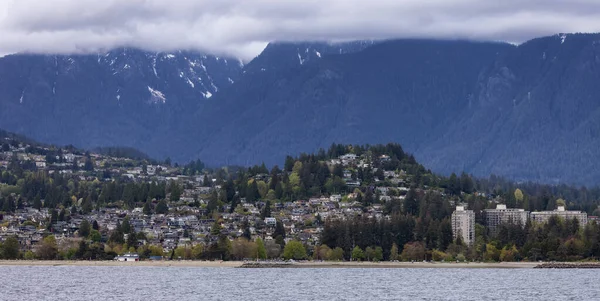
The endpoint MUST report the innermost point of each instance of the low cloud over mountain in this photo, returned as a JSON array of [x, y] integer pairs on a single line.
[[243, 28]]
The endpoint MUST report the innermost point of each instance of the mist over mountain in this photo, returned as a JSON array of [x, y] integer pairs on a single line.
[[528, 112]]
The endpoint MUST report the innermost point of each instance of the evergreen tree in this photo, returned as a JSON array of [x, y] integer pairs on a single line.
[[84, 228], [466, 183], [289, 163], [454, 186], [234, 202], [279, 229], [88, 165], [9, 205], [161, 208], [132, 240], [82, 250], [445, 231], [37, 202], [246, 227], [95, 225], [411, 203], [147, 210], [75, 165], [116, 236], [216, 228], [87, 206], [252, 194], [394, 252], [274, 178], [53, 216], [126, 226], [175, 190], [229, 190], [213, 202], [266, 212]]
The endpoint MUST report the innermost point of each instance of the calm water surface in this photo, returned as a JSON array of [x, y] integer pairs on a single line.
[[175, 283]]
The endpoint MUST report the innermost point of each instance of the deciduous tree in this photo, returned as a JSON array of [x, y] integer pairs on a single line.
[[294, 250], [10, 248], [48, 249], [357, 254]]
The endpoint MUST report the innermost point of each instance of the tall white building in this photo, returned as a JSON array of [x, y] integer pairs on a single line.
[[463, 224], [502, 215], [543, 216]]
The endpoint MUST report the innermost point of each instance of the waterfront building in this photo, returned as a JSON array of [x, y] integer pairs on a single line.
[[543, 216], [502, 215], [463, 224], [128, 257]]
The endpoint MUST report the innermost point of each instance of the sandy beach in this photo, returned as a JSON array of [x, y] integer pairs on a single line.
[[419, 265], [110, 263], [307, 264]]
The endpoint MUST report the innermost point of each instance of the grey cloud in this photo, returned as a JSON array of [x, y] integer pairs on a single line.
[[243, 27]]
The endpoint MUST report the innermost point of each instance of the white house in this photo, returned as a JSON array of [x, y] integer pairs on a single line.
[[270, 221], [128, 257]]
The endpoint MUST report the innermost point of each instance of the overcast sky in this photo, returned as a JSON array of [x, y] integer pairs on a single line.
[[243, 27]]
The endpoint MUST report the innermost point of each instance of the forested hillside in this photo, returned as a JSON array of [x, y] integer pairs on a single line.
[[346, 202]]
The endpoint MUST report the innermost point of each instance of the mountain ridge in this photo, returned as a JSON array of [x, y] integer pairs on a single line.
[[528, 111]]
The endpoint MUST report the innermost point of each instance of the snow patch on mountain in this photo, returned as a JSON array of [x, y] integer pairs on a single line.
[[156, 96], [154, 66], [190, 82], [300, 59]]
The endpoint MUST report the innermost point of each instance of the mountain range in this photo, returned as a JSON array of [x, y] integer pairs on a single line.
[[527, 112]]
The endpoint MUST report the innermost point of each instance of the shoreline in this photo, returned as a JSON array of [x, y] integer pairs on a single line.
[[405, 265], [113, 263], [307, 264]]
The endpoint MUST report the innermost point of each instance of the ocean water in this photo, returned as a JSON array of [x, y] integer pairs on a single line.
[[178, 283]]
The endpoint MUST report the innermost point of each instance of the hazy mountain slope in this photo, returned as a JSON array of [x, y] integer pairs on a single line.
[[404, 91], [125, 97], [536, 116]]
